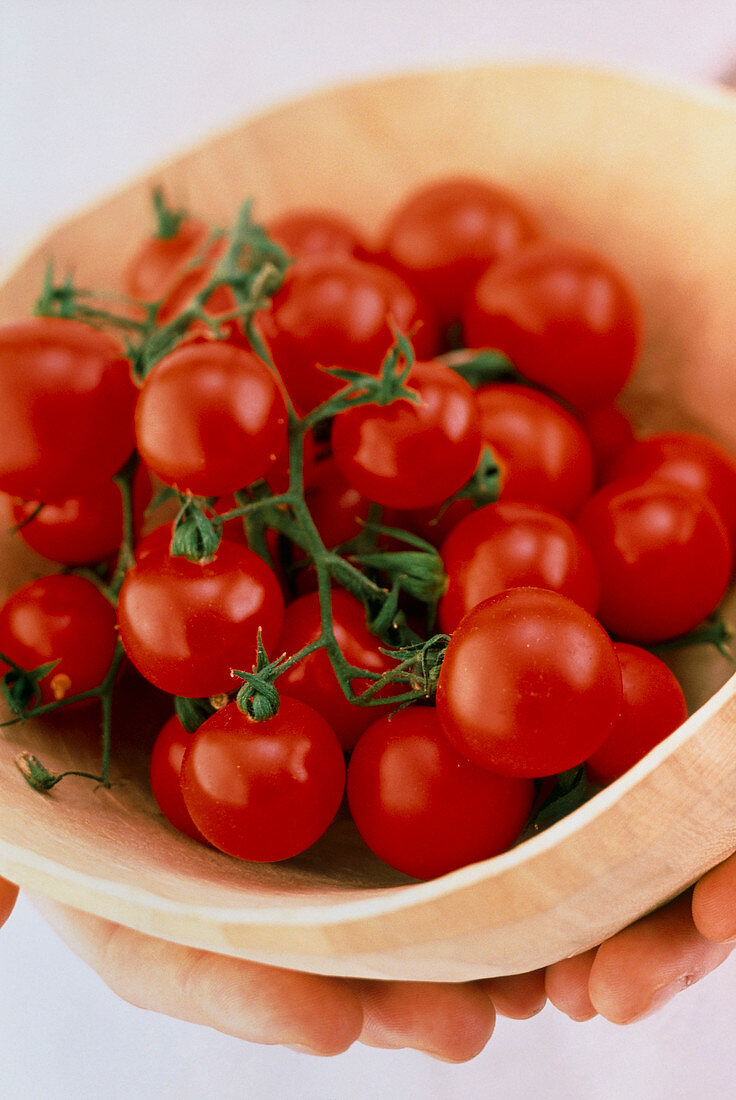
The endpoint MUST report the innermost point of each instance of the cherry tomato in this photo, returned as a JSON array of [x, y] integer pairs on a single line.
[[336, 311], [307, 232], [412, 454], [444, 235], [609, 432], [663, 555], [543, 452], [530, 684], [165, 771], [185, 624], [564, 316], [424, 809], [653, 707], [263, 791], [66, 408], [192, 281], [313, 680], [87, 528], [686, 458], [508, 545], [160, 260], [210, 419], [60, 618]]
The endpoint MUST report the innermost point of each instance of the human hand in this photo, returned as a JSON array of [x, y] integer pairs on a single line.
[[8, 894], [635, 972], [270, 1005]]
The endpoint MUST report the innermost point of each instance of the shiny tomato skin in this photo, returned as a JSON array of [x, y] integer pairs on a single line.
[[685, 458], [185, 624], [313, 680], [83, 529], [564, 316], [66, 408], [337, 311], [210, 419], [423, 808], [263, 791], [443, 236], [653, 707], [530, 684], [508, 545], [315, 232], [663, 555], [412, 454], [544, 454], [167, 755], [61, 617], [158, 261]]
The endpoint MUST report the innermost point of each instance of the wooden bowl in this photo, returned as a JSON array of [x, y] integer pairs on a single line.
[[641, 172]]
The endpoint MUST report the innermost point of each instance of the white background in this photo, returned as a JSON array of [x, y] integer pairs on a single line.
[[92, 93]]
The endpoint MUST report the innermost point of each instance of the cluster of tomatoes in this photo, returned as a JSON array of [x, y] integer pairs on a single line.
[[597, 548]]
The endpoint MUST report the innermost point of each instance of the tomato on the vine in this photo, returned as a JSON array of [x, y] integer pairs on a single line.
[[510, 544], [412, 454], [267, 790], [530, 684], [422, 807], [210, 419], [337, 311], [663, 555], [543, 452], [653, 707], [61, 618], [313, 679], [66, 408], [162, 257], [186, 624], [443, 236], [167, 755], [315, 232], [565, 317], [685, 458]]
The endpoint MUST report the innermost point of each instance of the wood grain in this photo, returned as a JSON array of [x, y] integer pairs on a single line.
[[645, 174]]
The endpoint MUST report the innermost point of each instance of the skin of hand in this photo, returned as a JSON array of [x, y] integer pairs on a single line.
[[8, 894]]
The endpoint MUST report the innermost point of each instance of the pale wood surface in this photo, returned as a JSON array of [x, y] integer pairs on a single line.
[[645, 174]]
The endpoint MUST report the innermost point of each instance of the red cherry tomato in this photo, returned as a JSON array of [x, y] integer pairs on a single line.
[[412, 454], [686, 458], [210, 419], [307, 232], [653, 707], [609, 432], [165, 771], [185, 624], [424, 809], [60, 618], [444, 235], [508, 545], [530, 684], [263, 791], [336, 311], [544, 454], [66, 408], [83, 529], [160, 260], [313, 680], [663, 555], [564, 316]]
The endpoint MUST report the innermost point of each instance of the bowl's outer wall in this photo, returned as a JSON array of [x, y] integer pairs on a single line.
[[642, 173]]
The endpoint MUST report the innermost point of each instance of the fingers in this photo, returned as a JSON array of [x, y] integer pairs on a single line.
[[452, 1022], [518, 996], [8, 895], [567, 986], [641, 968], [714, 902], [261, 1004]]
